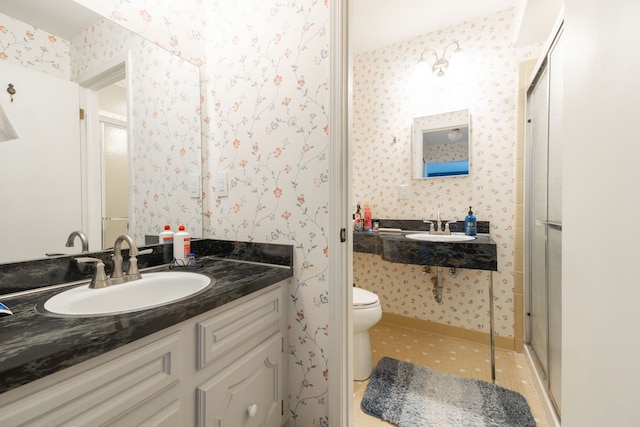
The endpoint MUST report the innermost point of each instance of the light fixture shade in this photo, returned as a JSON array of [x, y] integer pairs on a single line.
[[442, 63], [459, 63], [422, 70], [421, 75], [454, 135]]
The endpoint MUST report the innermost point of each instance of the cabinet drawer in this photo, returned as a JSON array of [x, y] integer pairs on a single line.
[[248, 393], [103, 394], [241, 328]]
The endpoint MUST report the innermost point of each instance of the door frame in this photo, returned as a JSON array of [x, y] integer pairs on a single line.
[[340, 395], [90, 82]]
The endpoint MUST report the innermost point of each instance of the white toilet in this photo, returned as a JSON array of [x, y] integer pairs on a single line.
[[366, 313]]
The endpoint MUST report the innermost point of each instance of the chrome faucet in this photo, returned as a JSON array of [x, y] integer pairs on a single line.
[[117, 276], [83, 240], [436, 226], [100, 279]]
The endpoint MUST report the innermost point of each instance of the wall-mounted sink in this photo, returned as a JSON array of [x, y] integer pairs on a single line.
[[440, 237], [154, 289]]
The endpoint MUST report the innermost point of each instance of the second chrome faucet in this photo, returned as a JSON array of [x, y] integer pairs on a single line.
[[436, 226]]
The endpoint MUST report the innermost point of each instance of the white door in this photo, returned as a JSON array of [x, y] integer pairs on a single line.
[[40, 173]]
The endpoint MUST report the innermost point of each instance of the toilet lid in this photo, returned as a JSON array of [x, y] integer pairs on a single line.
[[363, 297]]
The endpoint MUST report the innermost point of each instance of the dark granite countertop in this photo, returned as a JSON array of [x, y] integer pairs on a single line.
[[478, 254], [35, 345]]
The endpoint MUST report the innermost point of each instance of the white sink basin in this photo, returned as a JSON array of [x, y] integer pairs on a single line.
[[440, 237], [154, 289]]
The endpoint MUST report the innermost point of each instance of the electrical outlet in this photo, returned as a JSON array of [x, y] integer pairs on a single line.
[[220, 186]]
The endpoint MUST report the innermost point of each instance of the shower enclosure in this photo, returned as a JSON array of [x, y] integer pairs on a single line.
[[543, 236]]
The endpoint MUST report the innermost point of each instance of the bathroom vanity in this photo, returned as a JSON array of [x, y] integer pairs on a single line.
[[479, 253], [397, 246], [217, 358]]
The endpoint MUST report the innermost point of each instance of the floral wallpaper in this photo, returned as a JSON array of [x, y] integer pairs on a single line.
[[264, 70], [31, 47], [268, 99], [386, 98], [446, 152], [98, 45], [165, 126], [177, 25]]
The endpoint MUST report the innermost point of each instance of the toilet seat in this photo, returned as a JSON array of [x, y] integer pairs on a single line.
[[364, 299]]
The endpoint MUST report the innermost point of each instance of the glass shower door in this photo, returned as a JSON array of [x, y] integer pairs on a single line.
[[554, 219], [544, 219], [115, 206], [538, 132]]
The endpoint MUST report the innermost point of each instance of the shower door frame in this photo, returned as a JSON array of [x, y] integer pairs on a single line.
[[548, 356]]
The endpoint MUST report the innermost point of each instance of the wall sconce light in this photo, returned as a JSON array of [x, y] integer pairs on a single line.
[[441, 62]]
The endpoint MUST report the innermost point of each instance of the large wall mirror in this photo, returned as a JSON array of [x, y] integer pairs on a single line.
[[53, 176], [440, 145]]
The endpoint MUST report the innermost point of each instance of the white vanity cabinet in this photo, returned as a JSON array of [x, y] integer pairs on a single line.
[[241, 363], [128, 386], [225, 367]]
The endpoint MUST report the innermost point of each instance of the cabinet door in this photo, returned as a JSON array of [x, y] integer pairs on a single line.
[[225, 335], [248, 393], [137, 388]]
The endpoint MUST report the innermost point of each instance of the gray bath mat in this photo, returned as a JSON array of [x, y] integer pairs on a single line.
[[409, 395]]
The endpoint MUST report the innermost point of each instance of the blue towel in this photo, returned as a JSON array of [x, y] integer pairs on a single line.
[[4, 310]]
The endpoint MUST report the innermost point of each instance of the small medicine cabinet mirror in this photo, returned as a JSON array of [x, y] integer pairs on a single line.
[[441, 145]]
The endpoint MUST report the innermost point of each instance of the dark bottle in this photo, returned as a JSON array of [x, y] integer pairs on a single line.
[[358, 226]]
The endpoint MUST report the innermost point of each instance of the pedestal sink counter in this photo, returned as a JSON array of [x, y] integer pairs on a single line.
[[479, 253], [35, 345]]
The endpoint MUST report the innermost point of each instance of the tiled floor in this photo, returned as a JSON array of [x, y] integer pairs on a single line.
[[453, 356]]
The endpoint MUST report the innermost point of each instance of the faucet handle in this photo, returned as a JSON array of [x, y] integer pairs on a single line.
[[99, 279], [132, 272], [432, 226]]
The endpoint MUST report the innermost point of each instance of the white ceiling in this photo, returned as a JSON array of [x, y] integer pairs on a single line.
[[378, 23], [374, 23], [62, 18]]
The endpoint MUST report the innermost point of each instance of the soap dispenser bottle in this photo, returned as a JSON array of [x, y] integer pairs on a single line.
[[368, 224], [470, 223]]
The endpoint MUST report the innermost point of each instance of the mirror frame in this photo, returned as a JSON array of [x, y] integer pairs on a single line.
[[436, 123]]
